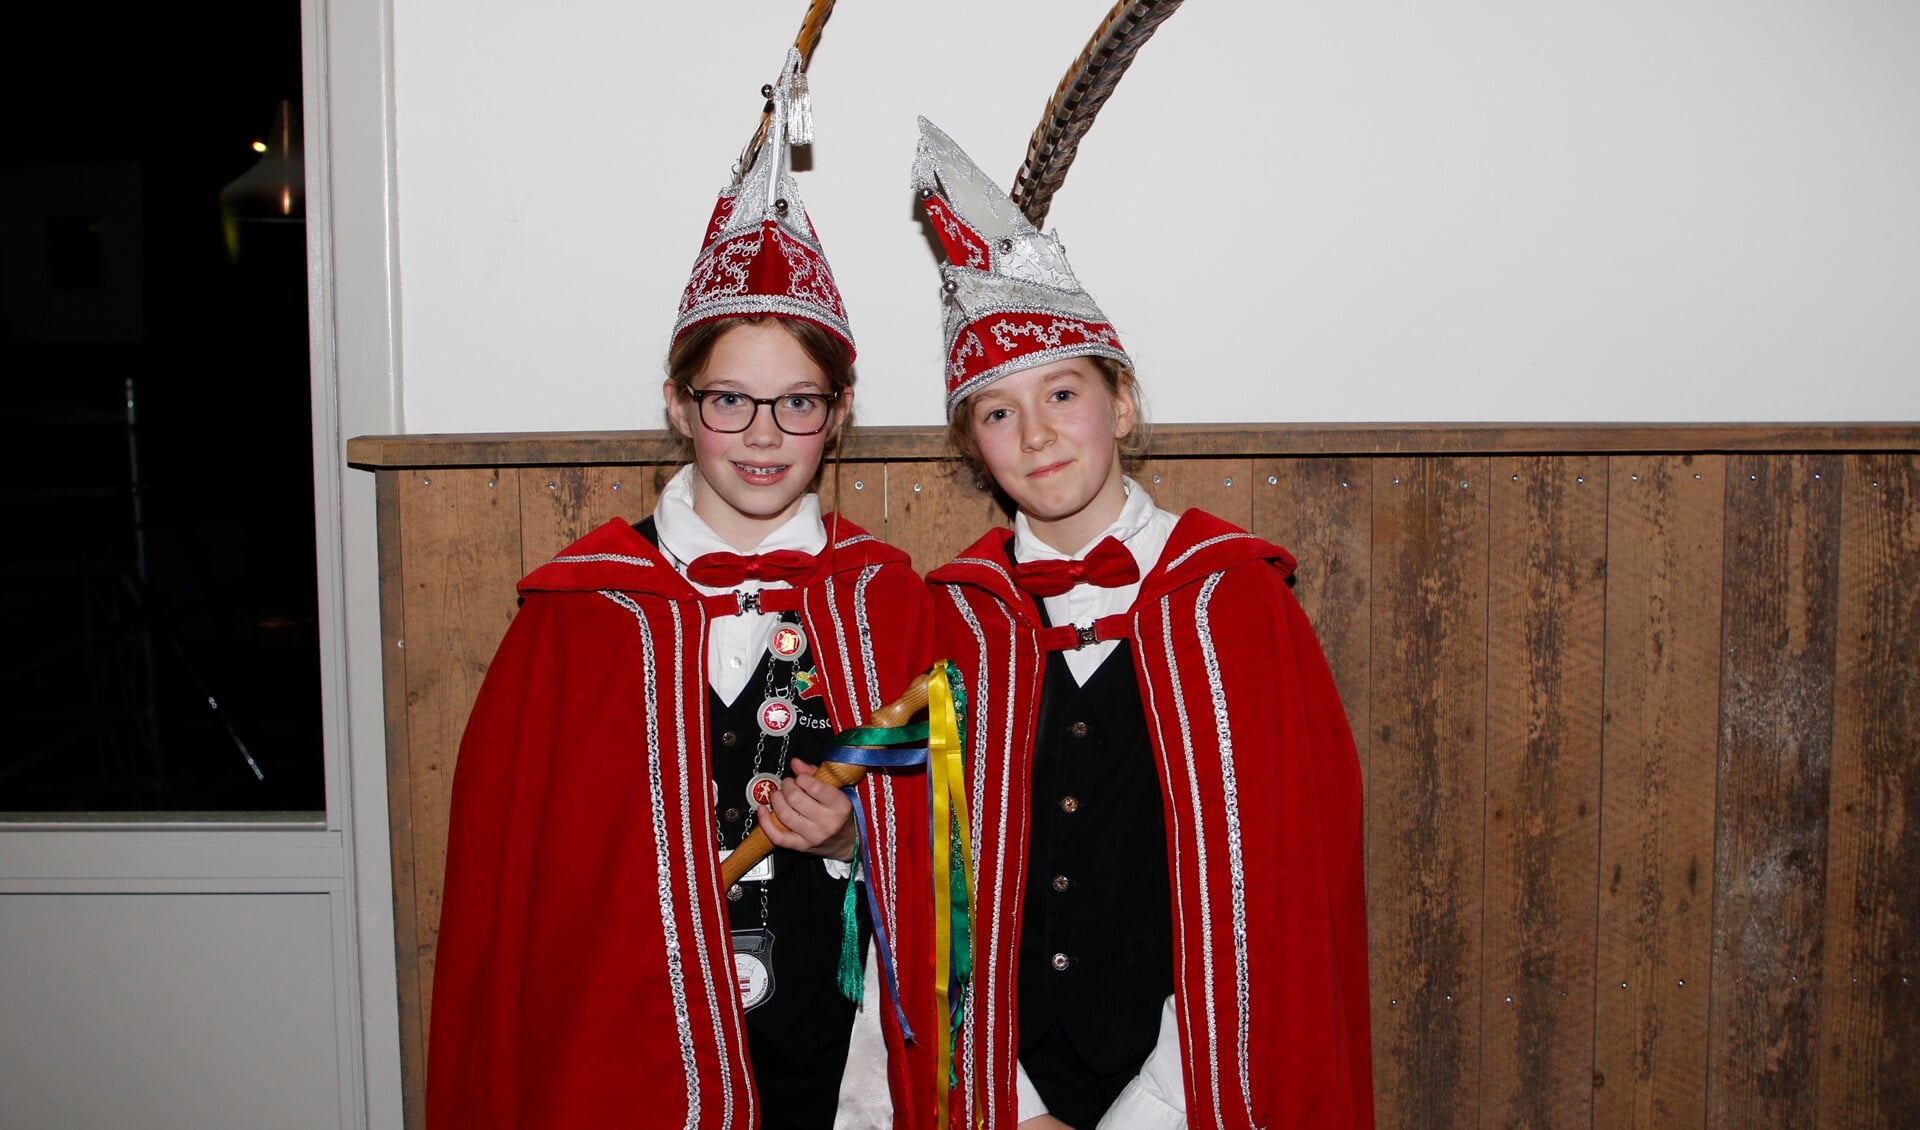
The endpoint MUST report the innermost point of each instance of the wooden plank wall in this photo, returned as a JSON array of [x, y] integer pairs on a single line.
[[1638, 732]]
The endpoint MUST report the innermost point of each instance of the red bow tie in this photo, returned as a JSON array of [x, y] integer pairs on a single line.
[[1109, 565], [725, 570]]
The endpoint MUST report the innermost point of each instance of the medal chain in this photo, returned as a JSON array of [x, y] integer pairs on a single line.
[[774, 664]]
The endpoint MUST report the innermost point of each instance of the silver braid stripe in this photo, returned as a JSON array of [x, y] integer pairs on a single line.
[[684, 661], [663, 854], [976, 789], [1200, 840], [1198, 546], [1176, 869], [850, 692], [588, 558], [1236, 869], [864, 625]]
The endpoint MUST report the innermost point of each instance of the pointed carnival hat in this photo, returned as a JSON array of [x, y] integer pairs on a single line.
[[761, 255], [1011, 300]]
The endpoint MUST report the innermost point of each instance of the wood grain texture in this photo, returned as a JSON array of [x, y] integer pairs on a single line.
[[1780, 606], [934, 512], [1321, 511], [461, 559], [1870, 1001], [1664, 537], [1425, 807], [1221, 487], [1460, 626], [1546, 635], [559, 505], [859, 491], [391, 540], [919, 442]]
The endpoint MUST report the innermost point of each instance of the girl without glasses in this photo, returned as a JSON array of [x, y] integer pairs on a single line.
[[1166, 798]]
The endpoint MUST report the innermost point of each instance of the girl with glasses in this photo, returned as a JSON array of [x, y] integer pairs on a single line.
[[666, 688]]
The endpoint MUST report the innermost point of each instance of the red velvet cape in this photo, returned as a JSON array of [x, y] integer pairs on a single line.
[[584, 973], [1261, 797]]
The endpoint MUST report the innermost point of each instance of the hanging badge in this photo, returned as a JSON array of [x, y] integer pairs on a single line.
[[787, 642], [777, 716], [753, 966], [760, 789]]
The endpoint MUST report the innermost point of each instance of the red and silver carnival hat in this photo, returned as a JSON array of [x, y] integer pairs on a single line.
[[1011, 300], [760, 255]]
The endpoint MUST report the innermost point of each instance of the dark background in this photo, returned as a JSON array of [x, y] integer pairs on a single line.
[[152, 567]]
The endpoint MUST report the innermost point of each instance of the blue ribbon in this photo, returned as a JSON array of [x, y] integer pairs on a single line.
[[878, 757], [880, 941]]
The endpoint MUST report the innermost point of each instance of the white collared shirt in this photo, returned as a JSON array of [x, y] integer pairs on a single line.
[[1143, 528], [736, 643]]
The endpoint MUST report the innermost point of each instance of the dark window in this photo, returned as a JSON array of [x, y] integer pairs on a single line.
[[161, 650]]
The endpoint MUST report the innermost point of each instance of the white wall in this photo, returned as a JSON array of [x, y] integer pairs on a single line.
[[1371, 211]]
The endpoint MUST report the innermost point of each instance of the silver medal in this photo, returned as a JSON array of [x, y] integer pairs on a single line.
[[787, 642], [760, 789], [777, 716]]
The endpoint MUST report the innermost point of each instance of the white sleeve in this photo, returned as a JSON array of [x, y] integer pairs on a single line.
[[1156, 1099], [1028, 1103]]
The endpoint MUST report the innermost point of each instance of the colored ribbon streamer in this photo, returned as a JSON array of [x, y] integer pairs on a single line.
[[882, 944], [852, 979], [951, 832], [953, 934], [872, 747]]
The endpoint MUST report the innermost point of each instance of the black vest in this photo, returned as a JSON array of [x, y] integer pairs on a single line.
[[803, 903], [1096, 940]]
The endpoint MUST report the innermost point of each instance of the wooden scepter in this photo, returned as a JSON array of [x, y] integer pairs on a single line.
[[755, 847]]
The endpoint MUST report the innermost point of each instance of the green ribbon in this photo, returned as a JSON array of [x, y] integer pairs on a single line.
[[907, 734]]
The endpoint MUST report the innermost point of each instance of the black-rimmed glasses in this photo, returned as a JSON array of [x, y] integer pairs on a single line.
[[796, 413]]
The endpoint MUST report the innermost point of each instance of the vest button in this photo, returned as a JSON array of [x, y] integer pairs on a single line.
[[732, 815], [1078, 729], [727, 739], [1061, 882], [1069, 804], [1061, 961]]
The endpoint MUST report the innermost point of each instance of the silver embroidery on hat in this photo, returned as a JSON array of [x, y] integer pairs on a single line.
[[1009, 268], [721, 282]]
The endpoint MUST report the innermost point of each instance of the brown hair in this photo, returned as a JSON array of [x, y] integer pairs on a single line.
[[1118, 378], [690, 352]]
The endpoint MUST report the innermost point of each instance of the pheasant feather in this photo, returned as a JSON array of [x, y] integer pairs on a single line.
[[1078, 98]]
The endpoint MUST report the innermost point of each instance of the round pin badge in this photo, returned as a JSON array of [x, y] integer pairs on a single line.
[[761, 787], [787, 642], [777, 716]]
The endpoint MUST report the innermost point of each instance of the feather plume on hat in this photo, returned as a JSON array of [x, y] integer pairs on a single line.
[[1011, 300]]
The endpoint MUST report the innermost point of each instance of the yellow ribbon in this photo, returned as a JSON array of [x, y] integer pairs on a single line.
[[943, 738], [946, 764]]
